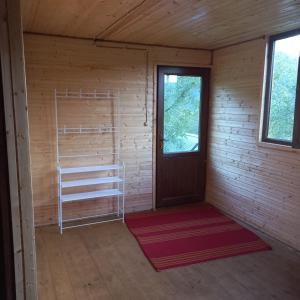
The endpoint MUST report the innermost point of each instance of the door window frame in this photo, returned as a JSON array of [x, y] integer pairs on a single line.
[[203, 73]]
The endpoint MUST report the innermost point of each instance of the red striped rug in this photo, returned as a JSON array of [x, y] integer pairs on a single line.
[[187, 235]]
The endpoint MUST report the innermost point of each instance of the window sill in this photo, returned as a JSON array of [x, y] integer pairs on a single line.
[[279, 147]]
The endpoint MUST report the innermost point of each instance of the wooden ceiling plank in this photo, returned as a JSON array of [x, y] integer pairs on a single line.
[[141, 32], [181, 23], [178, 23], [193, 36], [129, 17]]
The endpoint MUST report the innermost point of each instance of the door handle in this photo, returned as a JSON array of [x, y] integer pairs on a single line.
[[161, 143]]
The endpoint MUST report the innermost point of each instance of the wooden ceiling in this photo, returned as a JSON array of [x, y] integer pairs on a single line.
[[205, 24]]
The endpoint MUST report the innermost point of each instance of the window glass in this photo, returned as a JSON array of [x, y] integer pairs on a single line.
[[283, 88], [182, 98]]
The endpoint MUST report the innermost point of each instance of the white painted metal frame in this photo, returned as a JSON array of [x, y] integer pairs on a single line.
[[118, 167]]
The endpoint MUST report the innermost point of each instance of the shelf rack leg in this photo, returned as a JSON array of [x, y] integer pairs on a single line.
[[59, 200], [117, 142], [118, 197], [123, 194], [60, 217], [59, 203], [58, 212]]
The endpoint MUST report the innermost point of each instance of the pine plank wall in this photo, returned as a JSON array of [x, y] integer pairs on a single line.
[[257, 184], [78, 64]]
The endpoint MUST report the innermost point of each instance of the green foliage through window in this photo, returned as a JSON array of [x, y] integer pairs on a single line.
[[283, 96], [283, 87], [181, 113]]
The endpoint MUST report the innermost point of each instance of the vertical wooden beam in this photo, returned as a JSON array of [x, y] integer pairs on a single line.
[[22, 142], [16, 119], [11, 153], [7, 290]]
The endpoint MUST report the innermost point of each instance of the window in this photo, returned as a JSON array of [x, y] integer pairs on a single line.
[[281, 122]]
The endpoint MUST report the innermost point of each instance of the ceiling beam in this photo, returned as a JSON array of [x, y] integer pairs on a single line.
[[130, 15], [116, 42]]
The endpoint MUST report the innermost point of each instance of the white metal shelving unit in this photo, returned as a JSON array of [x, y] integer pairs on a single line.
[[83, 176]]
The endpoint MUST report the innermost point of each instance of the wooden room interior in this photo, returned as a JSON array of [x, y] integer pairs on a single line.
[[169, 106]]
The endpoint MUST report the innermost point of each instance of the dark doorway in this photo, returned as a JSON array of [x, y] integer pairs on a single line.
[[182, 116], [7, 283]]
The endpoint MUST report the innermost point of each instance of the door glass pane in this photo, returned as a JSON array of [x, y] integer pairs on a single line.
[[182, 96], [283, 88]]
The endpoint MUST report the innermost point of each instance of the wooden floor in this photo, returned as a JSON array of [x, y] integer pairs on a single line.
[[105, 262]]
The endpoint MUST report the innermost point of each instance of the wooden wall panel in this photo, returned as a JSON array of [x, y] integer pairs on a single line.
[[78, 64], [257, 184]]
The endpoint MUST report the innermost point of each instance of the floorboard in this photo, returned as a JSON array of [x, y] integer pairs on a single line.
[[105, 262]]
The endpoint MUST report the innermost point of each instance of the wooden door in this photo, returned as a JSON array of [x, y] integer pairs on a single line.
[[182, 116]]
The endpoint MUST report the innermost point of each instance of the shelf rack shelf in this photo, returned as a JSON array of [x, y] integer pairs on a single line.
[[86, 182], [90, 181], [87, 169], [90, 195]]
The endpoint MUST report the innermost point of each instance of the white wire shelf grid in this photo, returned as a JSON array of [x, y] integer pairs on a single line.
[[86, 130], [74, 180], [95, 94]]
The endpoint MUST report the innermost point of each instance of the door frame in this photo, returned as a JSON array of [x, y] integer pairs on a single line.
[[203, 126]]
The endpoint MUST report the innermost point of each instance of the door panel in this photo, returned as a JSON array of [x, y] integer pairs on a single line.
[[182, 114]]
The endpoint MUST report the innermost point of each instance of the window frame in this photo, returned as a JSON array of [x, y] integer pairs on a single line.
[[295, 143], [185, 73]]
